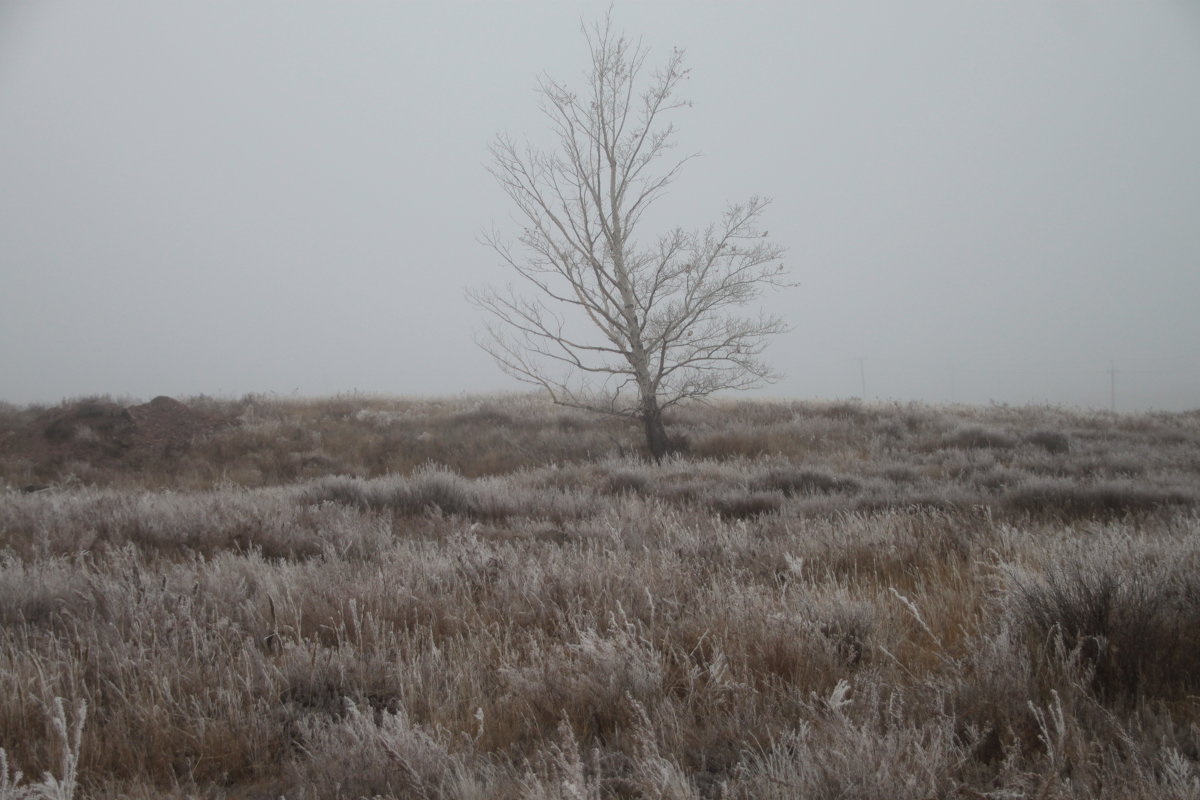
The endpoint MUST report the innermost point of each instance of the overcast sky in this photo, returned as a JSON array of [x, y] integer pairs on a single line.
[[984, 201]]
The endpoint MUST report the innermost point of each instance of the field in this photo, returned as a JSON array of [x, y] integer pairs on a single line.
[[498, 598]]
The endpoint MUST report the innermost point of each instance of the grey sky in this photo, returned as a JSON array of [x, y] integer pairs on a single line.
[[986, 200]]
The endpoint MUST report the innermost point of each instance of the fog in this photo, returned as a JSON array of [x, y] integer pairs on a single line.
[[982, 202]]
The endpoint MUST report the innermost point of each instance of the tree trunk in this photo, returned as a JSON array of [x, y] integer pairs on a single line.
[[656, 432]]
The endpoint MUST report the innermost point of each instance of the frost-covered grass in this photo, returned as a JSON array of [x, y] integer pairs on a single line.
[[813, 600]]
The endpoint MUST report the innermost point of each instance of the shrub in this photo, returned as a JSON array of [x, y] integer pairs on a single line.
[[628, 480], [432, 488], [744, 505], [979, 437], [437, 488], [792, 482], [483, 415], [372, 755], [852, 410], [734, 442], [1132, 617], [1050, 441], [336, 489], [901, 474], [1107, 499]]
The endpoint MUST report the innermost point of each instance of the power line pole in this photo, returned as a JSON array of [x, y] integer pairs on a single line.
[[1112, 386], [862, 376]]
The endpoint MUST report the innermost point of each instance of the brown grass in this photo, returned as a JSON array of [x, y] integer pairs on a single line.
[[478, 598]]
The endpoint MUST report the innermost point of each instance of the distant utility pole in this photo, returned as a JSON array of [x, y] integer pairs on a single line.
[[1112, 386], [862, 375]]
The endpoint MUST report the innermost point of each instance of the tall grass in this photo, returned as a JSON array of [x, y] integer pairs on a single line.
[[817, 601]]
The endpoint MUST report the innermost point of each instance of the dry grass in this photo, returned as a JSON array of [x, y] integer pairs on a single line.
[[490, 598]]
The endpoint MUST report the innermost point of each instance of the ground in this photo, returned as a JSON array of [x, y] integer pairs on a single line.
[[494, 597]]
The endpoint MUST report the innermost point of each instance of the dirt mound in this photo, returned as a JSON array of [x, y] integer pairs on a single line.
[[165, 424], [99, 430]]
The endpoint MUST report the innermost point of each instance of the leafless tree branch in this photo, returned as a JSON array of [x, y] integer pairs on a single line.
[[608, 323]]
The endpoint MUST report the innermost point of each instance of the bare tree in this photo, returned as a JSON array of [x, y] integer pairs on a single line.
[[597, 318]]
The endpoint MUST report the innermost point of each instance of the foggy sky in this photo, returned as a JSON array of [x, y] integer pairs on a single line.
[[988, 202]]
